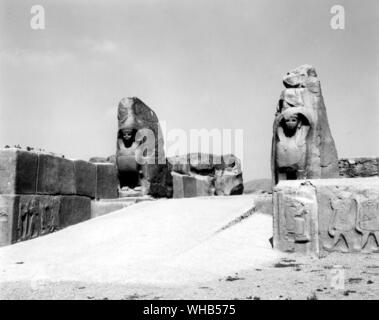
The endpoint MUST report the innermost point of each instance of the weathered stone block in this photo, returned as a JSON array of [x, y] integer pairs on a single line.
[[35, 215], [85, 178], [74, 209], [295, 217], [319, 216], [18, 171], [157, 181], [207, 174], [358, 167], [192, 186], [24, 217], [8, 228], [228, 183], [106, 181], [56, 175]]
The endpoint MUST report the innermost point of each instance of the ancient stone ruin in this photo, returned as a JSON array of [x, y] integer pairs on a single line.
[[320, 204], [323, 215], [317, 214], [196, 175], [41, 192], [140, 156], [358, 167], [302, 145]]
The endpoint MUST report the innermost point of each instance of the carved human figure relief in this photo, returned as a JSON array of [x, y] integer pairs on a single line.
[[368, 220], [342, 226]]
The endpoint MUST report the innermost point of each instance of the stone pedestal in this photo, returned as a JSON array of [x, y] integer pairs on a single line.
[[325, 215]]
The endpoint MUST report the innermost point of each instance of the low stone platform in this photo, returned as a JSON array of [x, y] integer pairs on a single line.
[[324, 215]]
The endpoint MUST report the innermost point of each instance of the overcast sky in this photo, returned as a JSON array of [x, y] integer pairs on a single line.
[[197, 64]]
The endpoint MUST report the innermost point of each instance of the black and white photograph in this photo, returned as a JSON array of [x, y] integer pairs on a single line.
[[194, 151]]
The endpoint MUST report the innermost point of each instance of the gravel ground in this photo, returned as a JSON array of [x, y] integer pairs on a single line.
[[294, 277]]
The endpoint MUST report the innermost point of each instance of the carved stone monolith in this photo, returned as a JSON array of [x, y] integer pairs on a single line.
[[302, 145], [140, 157]]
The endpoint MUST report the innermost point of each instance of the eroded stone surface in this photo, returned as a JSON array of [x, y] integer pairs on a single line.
[[140, 155], [85, 178], [18, 171], [106, 181], [358, 167], [24, 217], [56, 175], [302, 146], [326, 215], [196, 175]]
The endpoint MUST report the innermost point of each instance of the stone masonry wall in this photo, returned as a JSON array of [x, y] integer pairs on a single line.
[[41, 192], [358, 167]]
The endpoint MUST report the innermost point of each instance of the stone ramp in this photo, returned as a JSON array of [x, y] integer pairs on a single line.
[[164, 241]]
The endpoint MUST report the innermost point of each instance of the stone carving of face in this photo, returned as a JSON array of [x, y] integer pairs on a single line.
[[292, 122], [127, 134]]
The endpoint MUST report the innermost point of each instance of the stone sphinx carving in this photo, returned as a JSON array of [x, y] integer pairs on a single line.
[[140, 157], [302, 146]]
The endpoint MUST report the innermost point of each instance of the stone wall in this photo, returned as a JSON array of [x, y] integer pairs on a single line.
[[41, 192], [197, 175], [358, 167], [325, 215]]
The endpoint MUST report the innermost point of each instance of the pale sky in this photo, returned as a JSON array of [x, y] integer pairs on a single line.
[[198, 64]]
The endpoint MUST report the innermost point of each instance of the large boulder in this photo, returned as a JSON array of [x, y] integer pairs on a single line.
[[302, 146], [199, 174]]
